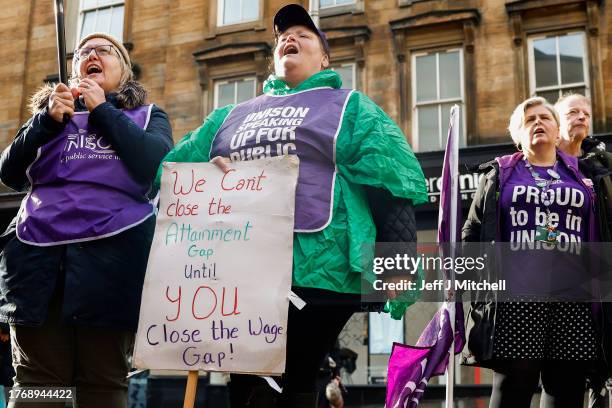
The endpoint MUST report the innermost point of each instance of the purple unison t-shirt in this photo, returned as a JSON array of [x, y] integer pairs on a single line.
[[548, 269]]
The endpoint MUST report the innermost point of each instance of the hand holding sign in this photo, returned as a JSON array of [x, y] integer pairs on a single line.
[[222, 163]]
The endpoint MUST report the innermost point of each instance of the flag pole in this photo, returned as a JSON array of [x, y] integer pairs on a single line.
[[190, 390], [411, 367], [454, 171], [60, 40]]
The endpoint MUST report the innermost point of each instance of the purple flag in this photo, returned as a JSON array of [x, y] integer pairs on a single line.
[[411, 367]]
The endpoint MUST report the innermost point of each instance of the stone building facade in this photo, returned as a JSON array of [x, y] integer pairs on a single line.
[[413, 57]]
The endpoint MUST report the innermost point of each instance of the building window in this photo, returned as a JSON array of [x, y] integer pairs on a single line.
[[329, 8], [101, 16], [437, 85], [234, 91], [347, 73], [334, 3], [237, 11], [557, 65]]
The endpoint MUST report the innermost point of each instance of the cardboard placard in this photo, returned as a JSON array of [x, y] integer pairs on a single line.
[[215, 296]]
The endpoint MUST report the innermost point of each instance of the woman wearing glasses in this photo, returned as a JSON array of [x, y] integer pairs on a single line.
[[74, 258]]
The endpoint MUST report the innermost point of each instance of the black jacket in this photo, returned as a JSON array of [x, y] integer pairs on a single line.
[[596, 164], [101, 280], [481, 226]]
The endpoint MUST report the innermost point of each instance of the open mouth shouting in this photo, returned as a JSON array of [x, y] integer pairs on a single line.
[[290, 49], [93, 69]]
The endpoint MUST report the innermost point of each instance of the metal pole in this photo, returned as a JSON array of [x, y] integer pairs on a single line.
[[450, 373], [61, 40], [313, 10]]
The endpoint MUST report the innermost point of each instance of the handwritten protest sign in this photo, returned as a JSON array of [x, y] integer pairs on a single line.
[[219, 273]]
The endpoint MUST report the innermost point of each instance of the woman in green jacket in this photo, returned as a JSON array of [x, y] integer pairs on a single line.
[[346, 145]]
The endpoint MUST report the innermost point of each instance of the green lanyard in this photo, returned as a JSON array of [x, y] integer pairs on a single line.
[[547, 233]]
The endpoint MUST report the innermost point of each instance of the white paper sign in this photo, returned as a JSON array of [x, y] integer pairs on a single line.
[[215, 296]]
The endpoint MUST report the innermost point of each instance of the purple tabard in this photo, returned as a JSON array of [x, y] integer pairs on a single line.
[[540, 272], [80, 188], [305, 123]]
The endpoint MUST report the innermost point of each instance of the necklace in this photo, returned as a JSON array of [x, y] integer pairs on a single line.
[[548, 232]]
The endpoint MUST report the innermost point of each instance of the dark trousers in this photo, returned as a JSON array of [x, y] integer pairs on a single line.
[[515, 382], [93, 360], [311, 334]]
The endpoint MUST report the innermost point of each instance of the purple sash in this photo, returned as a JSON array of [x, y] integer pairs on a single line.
[[307, 124], [80, 188]]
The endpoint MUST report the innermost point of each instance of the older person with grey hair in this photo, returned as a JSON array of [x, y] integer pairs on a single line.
[[73, 260], [524, 341], [575, 113]]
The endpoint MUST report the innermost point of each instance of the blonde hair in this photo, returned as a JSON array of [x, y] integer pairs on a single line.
[[517, 120]]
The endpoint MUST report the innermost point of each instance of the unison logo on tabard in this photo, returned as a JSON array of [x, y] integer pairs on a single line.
[[89, 141]]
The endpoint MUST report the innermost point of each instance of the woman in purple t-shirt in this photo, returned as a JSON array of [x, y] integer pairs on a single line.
[[534, 197]]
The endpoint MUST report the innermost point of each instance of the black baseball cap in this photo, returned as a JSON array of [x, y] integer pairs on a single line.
[[294, 14]]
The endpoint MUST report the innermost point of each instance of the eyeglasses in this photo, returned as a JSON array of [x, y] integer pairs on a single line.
[[100, 50]]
